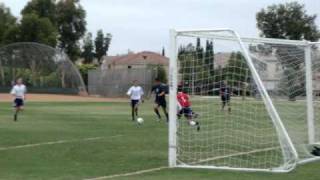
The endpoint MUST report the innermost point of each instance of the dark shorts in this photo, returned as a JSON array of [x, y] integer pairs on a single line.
[[187, 111], [18, 102], [161, 103], [225, 98], [134, 103]]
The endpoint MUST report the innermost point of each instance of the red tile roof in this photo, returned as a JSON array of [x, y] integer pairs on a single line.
[[137, 58]]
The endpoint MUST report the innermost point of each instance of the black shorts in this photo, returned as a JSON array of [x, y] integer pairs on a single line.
[[161, 103], [18, 102], [225, 98], [187, 111], [134, 103]]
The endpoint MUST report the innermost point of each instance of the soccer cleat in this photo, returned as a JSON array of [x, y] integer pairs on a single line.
[[198, 126], [15, 117]]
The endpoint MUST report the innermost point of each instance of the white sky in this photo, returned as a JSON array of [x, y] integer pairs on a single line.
[[144, 24]]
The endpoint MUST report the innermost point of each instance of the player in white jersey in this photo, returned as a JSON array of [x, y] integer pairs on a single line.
[[135, 93], [18, 92]]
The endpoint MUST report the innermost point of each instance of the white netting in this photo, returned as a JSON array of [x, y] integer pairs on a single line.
[[251, 135], [316, 88], [43, 69], [284, 77]]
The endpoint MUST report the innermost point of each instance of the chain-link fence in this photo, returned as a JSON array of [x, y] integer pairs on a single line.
[[116, 82]]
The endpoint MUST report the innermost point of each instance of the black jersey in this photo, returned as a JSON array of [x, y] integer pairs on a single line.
[[158, 89], [225, 91]]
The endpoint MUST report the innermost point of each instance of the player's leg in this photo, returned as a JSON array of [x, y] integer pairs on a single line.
[[180, 112], [189, 115], [164, 108], [136, 108], [18, 104], [15, 116], [133, 109], [156, 110], [223, 102], [228, 100]]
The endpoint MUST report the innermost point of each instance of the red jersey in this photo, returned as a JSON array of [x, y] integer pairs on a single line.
[[183, 99]]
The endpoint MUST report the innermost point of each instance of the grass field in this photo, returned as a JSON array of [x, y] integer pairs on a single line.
[[84, 140]]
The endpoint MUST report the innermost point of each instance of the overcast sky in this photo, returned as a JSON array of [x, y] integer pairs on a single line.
[[144, 24]]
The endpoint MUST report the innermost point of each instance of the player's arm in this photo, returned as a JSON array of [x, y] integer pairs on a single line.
[[25, 93], [163, 92], [129, 91], [13, 92], [142, 94]]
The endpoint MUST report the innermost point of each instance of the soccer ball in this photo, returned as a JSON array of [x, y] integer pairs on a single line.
[[192, 123], [140, 120]]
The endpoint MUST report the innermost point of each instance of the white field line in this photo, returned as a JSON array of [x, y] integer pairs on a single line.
[[128, 174], [56, 142], [232, 155]]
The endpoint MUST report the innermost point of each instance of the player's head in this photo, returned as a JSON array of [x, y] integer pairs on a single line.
[[157, 81], [19, 81], [135, 82]]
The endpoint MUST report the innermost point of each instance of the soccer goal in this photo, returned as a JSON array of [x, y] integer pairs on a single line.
[[257, 101]]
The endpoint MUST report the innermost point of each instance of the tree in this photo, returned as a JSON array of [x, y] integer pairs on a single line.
[[84, 71], [88, 48], [42, 8], [99, 45], [36, 29], [7, 21], [102, 44], [163, 53], [209, 58], [11, 35], [287, 21], [71, 26], [237, 71], [162, 74]]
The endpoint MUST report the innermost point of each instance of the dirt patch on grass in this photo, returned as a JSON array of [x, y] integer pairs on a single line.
[[61, 98]]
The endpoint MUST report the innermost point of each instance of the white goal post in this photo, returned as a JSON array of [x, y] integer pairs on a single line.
[[255, 98]]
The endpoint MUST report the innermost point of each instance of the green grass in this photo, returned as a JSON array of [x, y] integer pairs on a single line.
[[123, 146]]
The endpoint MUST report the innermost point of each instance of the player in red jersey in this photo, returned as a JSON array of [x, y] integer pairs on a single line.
[[185, 108]]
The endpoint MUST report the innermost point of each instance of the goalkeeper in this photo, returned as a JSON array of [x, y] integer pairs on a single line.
[[225, 93], [185, 108]]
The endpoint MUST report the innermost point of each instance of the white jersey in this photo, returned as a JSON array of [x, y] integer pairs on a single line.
[[19, 91], [135, 92]]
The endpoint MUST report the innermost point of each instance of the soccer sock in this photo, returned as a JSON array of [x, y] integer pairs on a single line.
[[157, 112], [136, 110], [167, 116], [132, 114], [16, 115]]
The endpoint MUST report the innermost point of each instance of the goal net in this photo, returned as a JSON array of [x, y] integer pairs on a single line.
[[255, 101]]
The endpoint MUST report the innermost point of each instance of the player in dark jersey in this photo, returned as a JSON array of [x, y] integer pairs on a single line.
[[185, 108], [160, 100], [225, 93]]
